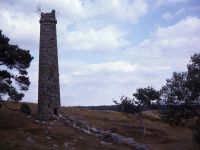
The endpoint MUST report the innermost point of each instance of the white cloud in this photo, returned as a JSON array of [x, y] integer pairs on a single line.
[[167, 16], [75, 10], [167, 2], [186, 28], [103, 26], [91, 39], [172, 45], [97, 83], [102, 35], [123, 10], [79, 69], [32, 93], [180, 11], [19, 27]]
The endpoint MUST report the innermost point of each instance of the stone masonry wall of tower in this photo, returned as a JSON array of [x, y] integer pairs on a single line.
[[49, 89]]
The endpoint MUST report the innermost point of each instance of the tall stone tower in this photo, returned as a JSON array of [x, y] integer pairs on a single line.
[[49, 89]]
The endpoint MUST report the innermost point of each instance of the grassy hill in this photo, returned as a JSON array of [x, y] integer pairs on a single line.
[[21, 132]]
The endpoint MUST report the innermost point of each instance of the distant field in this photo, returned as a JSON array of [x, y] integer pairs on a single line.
[[15, 127]]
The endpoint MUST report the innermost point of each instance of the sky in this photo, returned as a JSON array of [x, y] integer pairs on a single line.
[[107, 48]]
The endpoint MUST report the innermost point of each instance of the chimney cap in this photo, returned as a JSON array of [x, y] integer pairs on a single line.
[[48, 17]]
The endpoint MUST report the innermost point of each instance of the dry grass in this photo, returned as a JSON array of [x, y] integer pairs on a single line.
[[160, 136], [15, 127]]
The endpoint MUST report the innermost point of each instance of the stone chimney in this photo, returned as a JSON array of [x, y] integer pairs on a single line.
[[48, 84]]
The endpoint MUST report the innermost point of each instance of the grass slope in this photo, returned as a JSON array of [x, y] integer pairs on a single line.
[[15, 127]]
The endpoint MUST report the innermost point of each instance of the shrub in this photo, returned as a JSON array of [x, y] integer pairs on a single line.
[[171, 115], [25, 109]]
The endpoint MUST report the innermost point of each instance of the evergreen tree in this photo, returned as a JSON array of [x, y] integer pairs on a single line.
[[14, 63]]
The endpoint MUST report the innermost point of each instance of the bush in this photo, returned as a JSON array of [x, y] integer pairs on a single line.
[[171, 116], [196, 131], [176, 114], [25, 109]]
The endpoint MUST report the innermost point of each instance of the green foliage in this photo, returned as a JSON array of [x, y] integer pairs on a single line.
[[24, 108], [172, 115], [181, 94], [146, 96], [175, 91], [143, 98], [193, 78], [174, 95], [179, 99], [196, 131], [127, 105], [14, 63]]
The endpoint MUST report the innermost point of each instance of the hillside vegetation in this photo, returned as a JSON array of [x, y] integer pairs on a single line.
[[21, 132]]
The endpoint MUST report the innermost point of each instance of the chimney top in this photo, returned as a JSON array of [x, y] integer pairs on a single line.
[[48, 17]]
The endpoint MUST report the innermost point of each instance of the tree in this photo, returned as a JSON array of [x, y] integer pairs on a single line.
[[146, 97], [127, 105], [181, 94], [14, 63], [176, 96], [143, 98], [175, 91], [193, 81]]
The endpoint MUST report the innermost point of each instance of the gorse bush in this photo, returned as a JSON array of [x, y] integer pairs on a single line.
[[25, 109], [171, 116]]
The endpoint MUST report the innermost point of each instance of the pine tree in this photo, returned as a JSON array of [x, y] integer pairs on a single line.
[[14, 63]]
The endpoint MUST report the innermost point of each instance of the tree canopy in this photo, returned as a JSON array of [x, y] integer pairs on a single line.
[[181, 94], [193, 78], [14, 63], [146, 96], [143, 98]]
